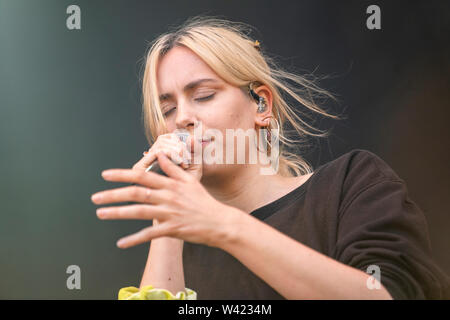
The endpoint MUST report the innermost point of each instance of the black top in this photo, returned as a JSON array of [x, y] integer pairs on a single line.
[[354, 209]]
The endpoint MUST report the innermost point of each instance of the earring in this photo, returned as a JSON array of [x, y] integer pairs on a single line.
[[265, 133], [270, 127]]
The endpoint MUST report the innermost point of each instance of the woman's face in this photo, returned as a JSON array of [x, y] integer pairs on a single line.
[[187, 98]]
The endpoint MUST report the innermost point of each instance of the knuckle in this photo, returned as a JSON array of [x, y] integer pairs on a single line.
[[171, 197], [178, 153], [141, 211], [134, 192], [172, 150], [140, 176], [156, 145], [120, 213], [165, 136], [175, 185], [147, 195], [172, 136]]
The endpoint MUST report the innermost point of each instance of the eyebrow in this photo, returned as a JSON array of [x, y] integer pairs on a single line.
[[191, 85]]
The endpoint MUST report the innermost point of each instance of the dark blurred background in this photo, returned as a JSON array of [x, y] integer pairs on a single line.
[[70, 108]]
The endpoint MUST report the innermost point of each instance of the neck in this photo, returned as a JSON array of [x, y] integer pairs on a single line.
[[246, 189]]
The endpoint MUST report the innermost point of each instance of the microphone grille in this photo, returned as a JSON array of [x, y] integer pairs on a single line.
[[182, 136]]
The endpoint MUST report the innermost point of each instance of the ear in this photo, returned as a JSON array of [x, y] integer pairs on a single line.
[[262, 119]]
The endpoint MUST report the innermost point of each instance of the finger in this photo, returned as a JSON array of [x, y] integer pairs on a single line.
[[136, 212], [148, 179], [182, 150], [144, 162], [190, 144], [187, 156], [129, 193], [144, 235], [174, 153], [150, 156], [170, 168]]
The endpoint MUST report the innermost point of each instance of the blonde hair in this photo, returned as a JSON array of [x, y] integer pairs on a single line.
[[228, 50]]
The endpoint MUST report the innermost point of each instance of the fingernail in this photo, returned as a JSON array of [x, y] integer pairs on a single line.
[[106, 173], [103, 211], [121, 243], [145, 153], [96, 197]]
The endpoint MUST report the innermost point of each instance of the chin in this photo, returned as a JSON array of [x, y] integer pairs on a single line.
[[217, 171]]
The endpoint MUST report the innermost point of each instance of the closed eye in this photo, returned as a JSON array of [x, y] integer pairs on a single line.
[[168, 112], [205, 98], [198, 99]]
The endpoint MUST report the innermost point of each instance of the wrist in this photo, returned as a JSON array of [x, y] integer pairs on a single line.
[[167, 246], [231, 226], [168, 241]]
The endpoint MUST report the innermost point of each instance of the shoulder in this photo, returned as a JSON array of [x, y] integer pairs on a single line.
[[358, 165], [352, 173], [360, 161]]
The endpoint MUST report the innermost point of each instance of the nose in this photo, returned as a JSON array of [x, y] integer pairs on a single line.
[[185, 116]]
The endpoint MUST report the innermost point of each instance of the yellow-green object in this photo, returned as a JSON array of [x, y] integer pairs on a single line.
[[151, 293]]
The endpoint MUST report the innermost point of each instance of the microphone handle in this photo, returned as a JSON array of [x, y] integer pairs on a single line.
[[154, 167]]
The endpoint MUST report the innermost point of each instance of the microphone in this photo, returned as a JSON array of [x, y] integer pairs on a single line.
[[154, 166]]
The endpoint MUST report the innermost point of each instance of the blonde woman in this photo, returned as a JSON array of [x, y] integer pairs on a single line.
[[346, 230]]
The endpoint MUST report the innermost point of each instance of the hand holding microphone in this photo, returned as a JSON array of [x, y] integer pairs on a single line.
[[171, 146], [177, 147]]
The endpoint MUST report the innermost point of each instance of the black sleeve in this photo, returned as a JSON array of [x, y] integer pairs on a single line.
[[380, 225]]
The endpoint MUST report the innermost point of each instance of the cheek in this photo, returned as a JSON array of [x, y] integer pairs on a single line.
[[237, 114], [170, 124], [226, 120], [241, 119]]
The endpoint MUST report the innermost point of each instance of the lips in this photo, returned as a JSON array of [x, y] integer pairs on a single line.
[[205, 139], [203, 142]]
